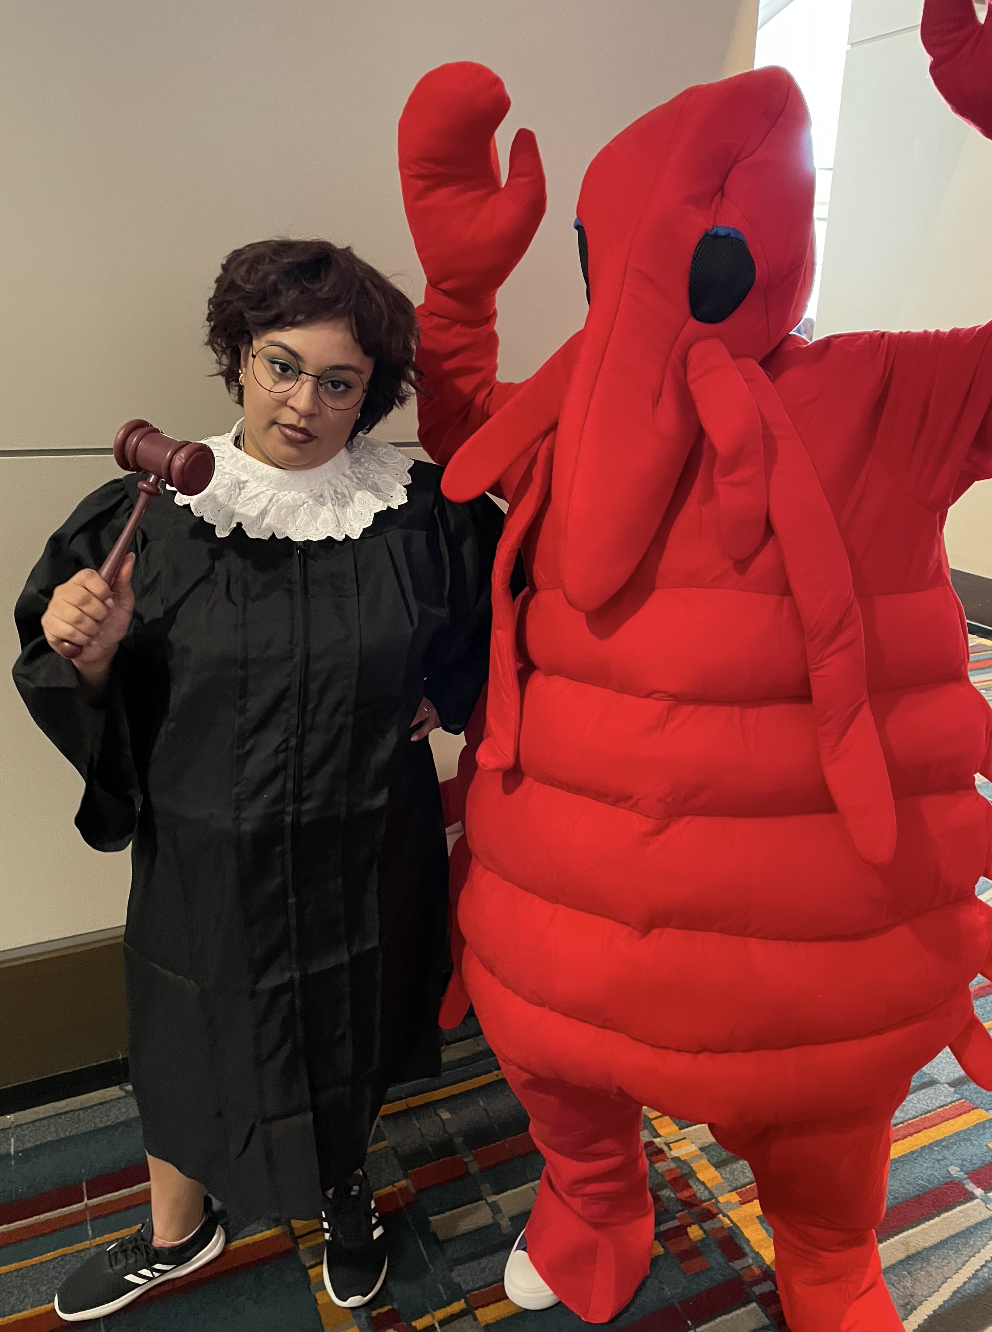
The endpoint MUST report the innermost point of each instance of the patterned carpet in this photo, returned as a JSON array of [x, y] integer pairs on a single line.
[[455, 1175]]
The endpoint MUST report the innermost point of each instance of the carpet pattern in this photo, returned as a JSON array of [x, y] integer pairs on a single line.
[[455, 1174]]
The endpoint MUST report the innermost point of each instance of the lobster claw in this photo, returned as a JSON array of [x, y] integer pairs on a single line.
[[470, 229], [960, 50]]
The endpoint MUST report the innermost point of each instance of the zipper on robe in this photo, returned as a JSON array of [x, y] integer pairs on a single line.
[[301, 661]]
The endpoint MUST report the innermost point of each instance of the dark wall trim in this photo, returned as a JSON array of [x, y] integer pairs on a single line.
[[54, 453], [975, 593], [47, 1091], [63, 1012]]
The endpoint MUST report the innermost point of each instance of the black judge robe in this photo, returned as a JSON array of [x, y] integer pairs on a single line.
[[285, 939]]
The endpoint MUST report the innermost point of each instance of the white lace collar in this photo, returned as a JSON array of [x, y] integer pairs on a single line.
[[338, 499]]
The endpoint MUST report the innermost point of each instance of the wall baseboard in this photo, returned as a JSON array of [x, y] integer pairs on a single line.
[[975, 594], [62, 1086], [64, 1013]]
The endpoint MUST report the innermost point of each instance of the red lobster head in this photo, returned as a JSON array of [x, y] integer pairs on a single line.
[[731, 157]]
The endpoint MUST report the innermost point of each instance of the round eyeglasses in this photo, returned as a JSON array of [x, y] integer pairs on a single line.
[[277, 371]]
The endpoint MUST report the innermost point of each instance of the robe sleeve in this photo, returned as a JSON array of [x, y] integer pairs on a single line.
[[932, 425], [458, 661], [459, 360], [94, 737]]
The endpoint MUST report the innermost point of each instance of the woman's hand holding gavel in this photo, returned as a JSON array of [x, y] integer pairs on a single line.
[[86, 621], [89, 615]]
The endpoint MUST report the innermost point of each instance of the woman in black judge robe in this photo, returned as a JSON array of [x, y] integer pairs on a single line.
[[241, 715]]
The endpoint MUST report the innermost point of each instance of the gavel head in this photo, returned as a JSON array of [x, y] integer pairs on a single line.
[[139, 447]]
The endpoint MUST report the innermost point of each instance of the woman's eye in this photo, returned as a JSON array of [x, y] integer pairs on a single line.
[[335, 385], [281, 368]]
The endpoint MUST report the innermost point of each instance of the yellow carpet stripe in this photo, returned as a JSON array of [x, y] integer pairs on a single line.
[[305, 1229], [493, 1313], [11, 1319], [682, 1147], [330, 1314], [707, 1174], [411, 1102], [438, 1316], [663, 1126], [60, 1253], [945, 1130], [746, 1218]]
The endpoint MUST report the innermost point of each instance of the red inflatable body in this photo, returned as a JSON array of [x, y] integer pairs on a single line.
[[724, 833]]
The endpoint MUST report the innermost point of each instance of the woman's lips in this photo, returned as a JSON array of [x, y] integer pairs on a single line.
[[294, 434]]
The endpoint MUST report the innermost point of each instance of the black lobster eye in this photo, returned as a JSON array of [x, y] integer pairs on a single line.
[[721, 275], [583, 253]]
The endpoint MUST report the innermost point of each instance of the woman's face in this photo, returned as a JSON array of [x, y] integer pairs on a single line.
[[288, 422]]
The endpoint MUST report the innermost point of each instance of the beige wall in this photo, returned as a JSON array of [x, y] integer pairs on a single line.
[[139, 143], [911, 192], [52, 885]]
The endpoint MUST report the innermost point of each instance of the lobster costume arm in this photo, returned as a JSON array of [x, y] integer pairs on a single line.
[[932, 431], [459, 359], [960, 50], [935, 388], [471, 231]]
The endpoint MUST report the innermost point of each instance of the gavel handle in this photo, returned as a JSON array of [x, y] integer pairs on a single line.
[[111, 567]]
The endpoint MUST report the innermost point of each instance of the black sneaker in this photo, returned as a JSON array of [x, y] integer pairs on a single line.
[[111, 1278], [354, 1244]]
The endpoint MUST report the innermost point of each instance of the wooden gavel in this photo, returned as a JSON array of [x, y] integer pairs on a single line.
[[139, 447]]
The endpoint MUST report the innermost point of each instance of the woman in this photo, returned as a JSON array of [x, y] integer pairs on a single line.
[[241, 714]]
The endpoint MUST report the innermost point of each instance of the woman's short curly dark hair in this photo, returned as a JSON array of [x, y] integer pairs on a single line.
[[278, 283]]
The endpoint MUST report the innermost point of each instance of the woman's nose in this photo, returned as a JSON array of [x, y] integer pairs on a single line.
[[304, 396]]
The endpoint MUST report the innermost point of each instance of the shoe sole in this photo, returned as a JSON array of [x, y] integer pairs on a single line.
[[356, 1301], [213, 1250], [533, 1302], [523, 1300]]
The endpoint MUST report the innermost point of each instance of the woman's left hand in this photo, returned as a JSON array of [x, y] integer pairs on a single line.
[[425, 721]]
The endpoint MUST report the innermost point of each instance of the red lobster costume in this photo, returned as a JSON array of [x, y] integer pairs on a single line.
[[724, 831]]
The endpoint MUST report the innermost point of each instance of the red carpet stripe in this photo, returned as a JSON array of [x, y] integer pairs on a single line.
[[128, 1178], [715, 1301], [914, 1210], [941, 1116], [39, 1224], [26, 1208], [925, 1205]]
